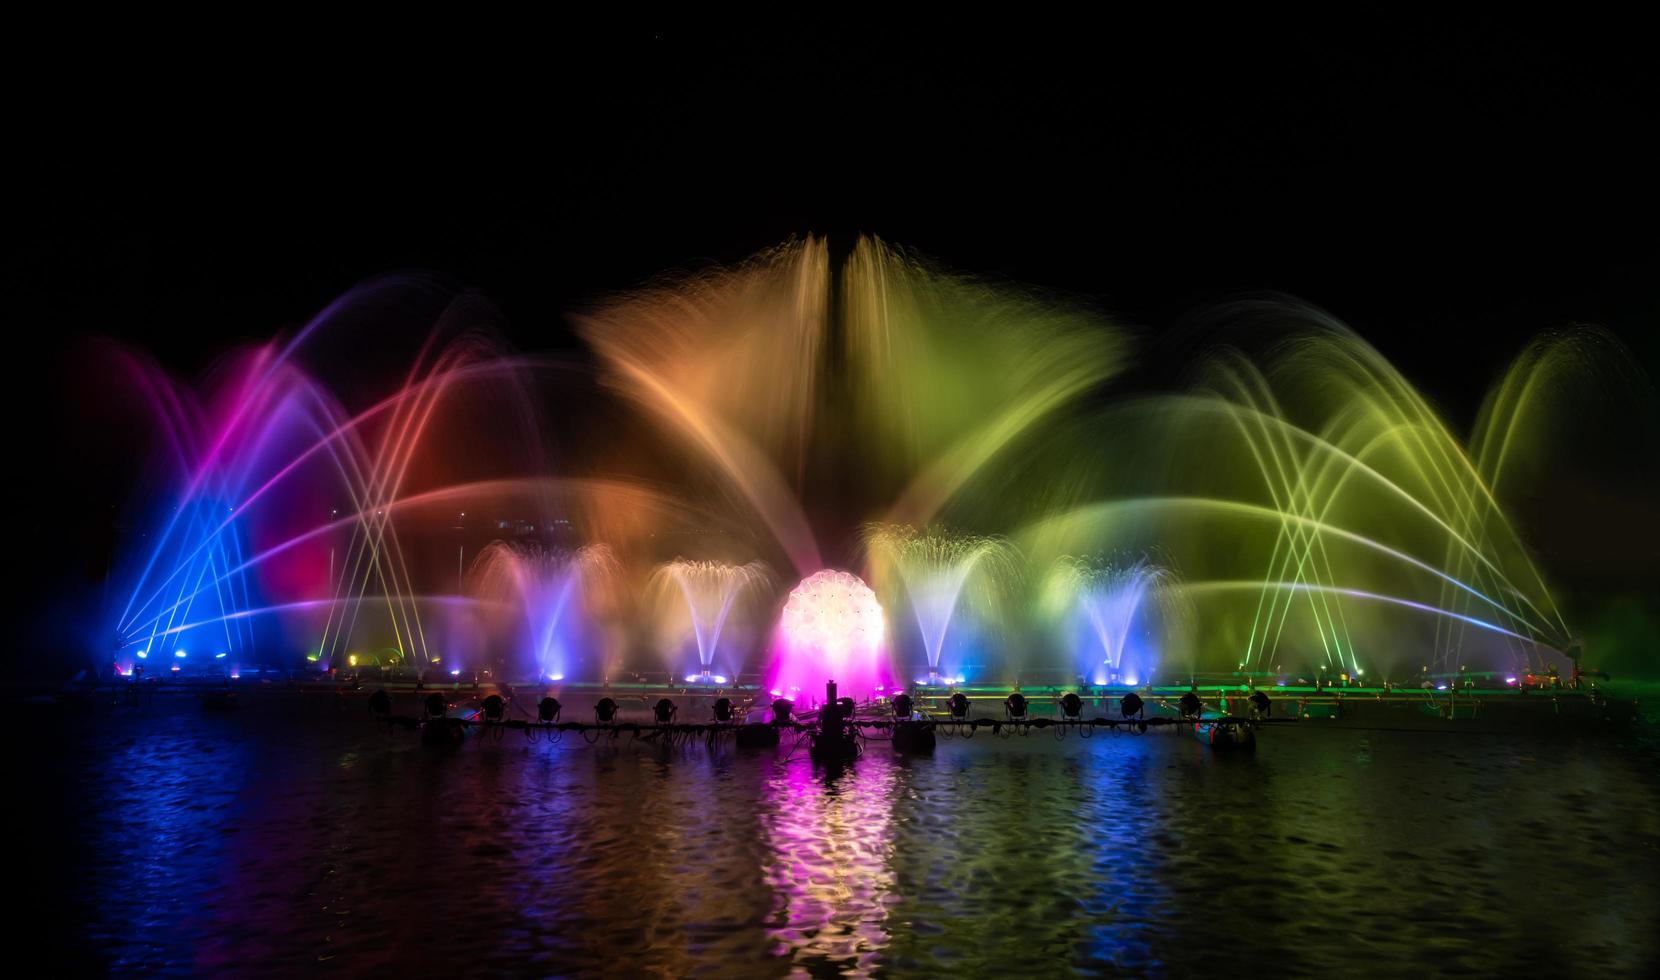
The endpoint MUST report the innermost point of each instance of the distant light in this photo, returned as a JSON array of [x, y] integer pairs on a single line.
[[1510, 680], [456, 672], [179, 654], [693, 678], [1440, 687], [1358, 671], [775, 692], [556, 677], [961, 679], [218, 656], [236, 672], [718, 679], [351, 660], [1131, 680], [143, 654], [175, 668]]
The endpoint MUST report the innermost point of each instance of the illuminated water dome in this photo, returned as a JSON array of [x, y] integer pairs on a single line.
[[832, 627]]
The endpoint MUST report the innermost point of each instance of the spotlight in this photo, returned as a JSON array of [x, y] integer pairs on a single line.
[[435, 705], [493, 707], [959, 706], [664, 711], [781, 709], [1190, 705], [606, 711], [723, 709], [1016, 705], [380, 703], [1071, 705], [1130, 705], [1261, 707], [548, 709], [902, 705]]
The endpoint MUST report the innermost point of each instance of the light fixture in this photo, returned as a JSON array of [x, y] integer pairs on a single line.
[[781, 709], [548, 709], [1071, 705]]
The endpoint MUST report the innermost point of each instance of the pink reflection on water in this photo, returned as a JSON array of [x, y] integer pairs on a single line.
[[829, 864]]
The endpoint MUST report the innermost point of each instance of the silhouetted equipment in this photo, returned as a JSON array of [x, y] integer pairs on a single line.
[[781, 709], [914, 737], [548, 709], [439, 730], [1190, 705], [836, 740], [1227, 736], [959, 706], [1071, 705], [664, 711], [605, 710], [1130, 705], [1015, 704], [380, 703], [903, 706], [1261, 706], [723, 709], [494, 706]]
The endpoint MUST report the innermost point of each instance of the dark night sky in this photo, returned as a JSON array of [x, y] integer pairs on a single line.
[[1447, 188]]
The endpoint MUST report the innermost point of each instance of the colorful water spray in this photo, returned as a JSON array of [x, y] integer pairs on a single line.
[[543, 594], [1118, 618], [699, 596], [937, 573], [1324, 517]]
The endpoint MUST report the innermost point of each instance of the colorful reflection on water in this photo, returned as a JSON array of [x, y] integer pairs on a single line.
[[291, 837]]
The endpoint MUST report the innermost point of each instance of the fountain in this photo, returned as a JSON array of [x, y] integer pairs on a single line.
[[1328, 524], [699, 596], [832, 628], [935, 571], [1097, 604]]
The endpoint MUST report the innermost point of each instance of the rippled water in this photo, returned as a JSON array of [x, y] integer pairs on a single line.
[[280, 838]]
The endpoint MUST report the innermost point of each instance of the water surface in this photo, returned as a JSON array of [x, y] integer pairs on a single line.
[[290, 837]]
